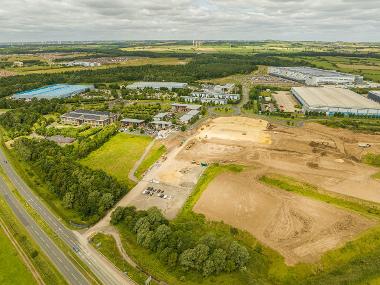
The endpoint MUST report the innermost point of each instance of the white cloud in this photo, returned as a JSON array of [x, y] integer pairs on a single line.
[[34, 20]]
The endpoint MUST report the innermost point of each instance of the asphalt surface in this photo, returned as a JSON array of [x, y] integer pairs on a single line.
[[62, 263], [105, 271]]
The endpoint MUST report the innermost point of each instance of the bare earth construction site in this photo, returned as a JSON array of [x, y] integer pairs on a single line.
[[300, 228]]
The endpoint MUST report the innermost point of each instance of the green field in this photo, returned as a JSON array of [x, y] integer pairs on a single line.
[[118, 156], [154, 154], [13, 270]]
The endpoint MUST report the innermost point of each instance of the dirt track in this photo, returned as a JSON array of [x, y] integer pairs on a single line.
[[301, 229]]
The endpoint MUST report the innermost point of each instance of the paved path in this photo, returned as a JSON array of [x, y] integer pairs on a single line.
[[131, 174]]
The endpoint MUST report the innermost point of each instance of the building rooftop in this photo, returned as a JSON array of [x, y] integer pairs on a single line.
[[316, 72], [131, 120], [188, 106], [334, 97], [157, 85], [53, 91], [161, 115], [161, 123], [89, 115]]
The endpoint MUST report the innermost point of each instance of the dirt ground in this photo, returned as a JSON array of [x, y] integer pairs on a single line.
[[301, 229], [326, 157]]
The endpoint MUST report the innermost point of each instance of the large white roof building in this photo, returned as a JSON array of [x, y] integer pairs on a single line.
[[157, 85], [314, 76], [335, 100]]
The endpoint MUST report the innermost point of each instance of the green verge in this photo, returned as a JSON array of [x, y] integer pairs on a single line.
[[13, 270], [106, 245], [376, 176], [46, 228], [154, 154], [41, 262]]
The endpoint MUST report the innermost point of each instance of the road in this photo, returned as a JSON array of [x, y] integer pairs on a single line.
[[62, 263], [103, 269], [131, 174]]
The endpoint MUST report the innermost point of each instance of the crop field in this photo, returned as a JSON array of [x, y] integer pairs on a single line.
[[13, 270], [118, 156]]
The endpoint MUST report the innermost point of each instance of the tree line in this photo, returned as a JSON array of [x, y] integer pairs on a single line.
[[178, 249], [88, 192]]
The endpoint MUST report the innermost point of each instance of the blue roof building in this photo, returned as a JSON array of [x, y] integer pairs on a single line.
[[53, 91]]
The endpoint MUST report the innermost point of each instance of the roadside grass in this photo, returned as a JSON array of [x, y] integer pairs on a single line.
[[376, 176], [118, 156], [154, 154], [106, 245], [50, 232], [13, 270], [41, 262]]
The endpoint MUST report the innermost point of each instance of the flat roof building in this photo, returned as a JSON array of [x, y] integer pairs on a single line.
[[178, 107], [92, 118], [314, 76], [374, 96], [53, 91], [161, 116], [185, 119], [335, 100], [160, 125], [157, 85], [130, 122]]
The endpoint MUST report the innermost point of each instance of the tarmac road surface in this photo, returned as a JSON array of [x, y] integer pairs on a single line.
[[103, 269]]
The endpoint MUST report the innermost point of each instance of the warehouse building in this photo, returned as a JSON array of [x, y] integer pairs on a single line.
[[53, 91], [92, 118], [374, 95], [314, 76], [157, 85], [335, 100]]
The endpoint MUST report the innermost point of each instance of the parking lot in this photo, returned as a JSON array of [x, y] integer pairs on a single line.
[[285, 101]]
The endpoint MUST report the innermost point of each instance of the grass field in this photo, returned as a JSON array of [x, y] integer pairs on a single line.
[[118, 156], [154, 154], [13, 270]]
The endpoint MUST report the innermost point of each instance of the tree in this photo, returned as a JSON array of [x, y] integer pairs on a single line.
[[68, 200], [117, 215], [238, 254]]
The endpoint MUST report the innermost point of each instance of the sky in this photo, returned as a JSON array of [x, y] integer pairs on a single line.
[[76, 20]]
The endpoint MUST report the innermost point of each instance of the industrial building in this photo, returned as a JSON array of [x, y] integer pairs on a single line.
[[331, 100], [157, 85], [53, 91], [185, 119], [374, 95], [216, 101], [92, 118], [177, 107], [314, 76], [81, 63]]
